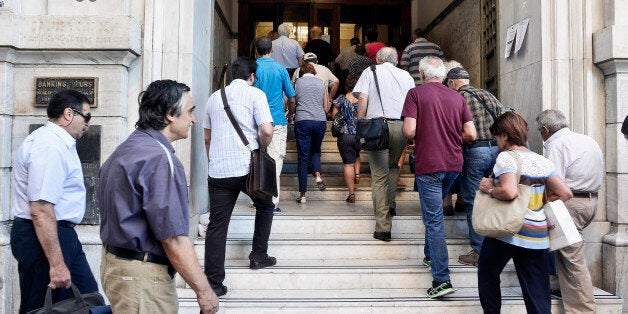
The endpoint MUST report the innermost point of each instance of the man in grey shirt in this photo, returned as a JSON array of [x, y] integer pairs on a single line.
[[143, 199]]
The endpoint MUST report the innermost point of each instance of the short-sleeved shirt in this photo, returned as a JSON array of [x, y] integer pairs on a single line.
[[228, 157], [416, 51], [349, 111], [577, 158], [310, 98], [47, 167], [440, 113], [323, 73], [372, 49], [287, 51], [143, 194], [394, 84], [273, 80], [345, 55], [535, 170], [358, 64], [321, 49], [481, 118]]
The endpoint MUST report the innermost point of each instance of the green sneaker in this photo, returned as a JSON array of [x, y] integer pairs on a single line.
[[440, 289], [427, 263]]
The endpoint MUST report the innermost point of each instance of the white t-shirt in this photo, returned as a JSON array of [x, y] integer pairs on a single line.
[[394, 84]]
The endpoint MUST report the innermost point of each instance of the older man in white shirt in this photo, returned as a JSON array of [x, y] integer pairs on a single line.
[[394, 84], [578, 160]]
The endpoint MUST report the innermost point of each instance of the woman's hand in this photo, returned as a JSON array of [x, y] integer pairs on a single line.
[[486, 185]]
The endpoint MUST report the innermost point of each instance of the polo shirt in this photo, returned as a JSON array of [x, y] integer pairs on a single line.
[[143, 194], [47, 167], [416, 51], [273, 80]]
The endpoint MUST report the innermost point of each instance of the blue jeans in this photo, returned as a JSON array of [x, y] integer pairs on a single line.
[[34, 270], [432, 188], [478, 163], [309, 135]]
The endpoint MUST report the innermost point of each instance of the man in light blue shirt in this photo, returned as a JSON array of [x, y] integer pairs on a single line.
[[48, 201], [273, 80], [287, 51]]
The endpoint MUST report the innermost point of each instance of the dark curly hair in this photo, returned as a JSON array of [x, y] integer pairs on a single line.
[[158, 100]]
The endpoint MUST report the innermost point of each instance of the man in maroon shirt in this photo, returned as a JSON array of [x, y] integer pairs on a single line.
[[438, 121]]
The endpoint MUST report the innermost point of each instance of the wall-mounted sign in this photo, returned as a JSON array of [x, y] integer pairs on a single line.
[[45, 87], [515, 34]]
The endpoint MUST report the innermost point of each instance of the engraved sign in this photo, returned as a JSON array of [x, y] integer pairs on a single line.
[[88, 148], [45, 87]]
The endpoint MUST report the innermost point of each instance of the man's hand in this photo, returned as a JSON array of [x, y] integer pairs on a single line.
[[208, 302], [60, 277]]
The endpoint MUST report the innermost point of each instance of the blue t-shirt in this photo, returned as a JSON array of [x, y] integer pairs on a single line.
[[273, 80]]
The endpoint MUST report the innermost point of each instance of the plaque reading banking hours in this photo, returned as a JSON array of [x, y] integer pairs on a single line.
[[45, 87]]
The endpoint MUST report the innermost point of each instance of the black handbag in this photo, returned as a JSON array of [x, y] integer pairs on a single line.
[[373, 134], [80, 304], [262, 179], [337, 124]]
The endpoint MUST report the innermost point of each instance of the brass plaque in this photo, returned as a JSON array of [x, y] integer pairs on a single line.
[[45, 87]]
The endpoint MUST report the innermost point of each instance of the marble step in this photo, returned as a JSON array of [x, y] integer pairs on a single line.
[[290, 194], [336, 246], [341, 274], [330, 155], [338, 180], [373, 301], [331, 167]]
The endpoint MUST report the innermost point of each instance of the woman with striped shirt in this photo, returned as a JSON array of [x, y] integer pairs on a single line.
[[527, 248]]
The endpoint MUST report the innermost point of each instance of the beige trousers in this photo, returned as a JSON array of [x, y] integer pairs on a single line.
[[574, 278], [137, 287], [277, 150]]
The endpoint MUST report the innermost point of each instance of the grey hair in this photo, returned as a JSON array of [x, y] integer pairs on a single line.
[[284, 29], [432, 68], [452, 64], [387, 54], [552, 119]]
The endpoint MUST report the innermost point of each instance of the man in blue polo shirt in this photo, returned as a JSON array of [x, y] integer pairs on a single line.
[[273, 80]]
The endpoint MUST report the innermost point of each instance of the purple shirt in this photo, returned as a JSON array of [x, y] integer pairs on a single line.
[[440, 113], [143, 194]]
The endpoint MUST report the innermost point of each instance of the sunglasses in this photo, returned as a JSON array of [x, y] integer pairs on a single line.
[[87, 117]]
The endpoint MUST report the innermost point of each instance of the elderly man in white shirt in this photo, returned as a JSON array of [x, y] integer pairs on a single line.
[[229, 161], [578, 160], [287, 51], [394, 84]]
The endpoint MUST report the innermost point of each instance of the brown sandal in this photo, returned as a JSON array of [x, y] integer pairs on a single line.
[[351, 198], [356, 180]]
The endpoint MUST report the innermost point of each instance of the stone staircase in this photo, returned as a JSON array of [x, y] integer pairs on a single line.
[[328, 261]]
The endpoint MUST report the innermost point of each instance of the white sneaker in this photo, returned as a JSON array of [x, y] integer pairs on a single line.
[[301, 200]]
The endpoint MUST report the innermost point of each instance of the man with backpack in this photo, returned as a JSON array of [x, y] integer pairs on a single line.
[[479, 156]]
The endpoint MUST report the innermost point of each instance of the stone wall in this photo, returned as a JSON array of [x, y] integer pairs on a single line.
[[225, 49], [460, 37]]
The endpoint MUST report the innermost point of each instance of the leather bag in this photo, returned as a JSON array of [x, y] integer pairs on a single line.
[[562, 229], [337, 124], [80, 304], [373, 134], [261, 181], [499, 219]]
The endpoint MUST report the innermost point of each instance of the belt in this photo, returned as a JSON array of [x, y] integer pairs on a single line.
[[387, 119], [60, 223], [584, 194], [138, 256], [482, 143]]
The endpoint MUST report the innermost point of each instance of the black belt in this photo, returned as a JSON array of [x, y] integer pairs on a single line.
[[138, 256], [481, 143], [387, 119], [60, 223], [584, 194]]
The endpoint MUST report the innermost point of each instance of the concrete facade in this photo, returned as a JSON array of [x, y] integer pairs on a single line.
[[573, 59]]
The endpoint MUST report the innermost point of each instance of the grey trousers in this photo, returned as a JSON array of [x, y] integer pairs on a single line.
[[574, 277], [384, 175]]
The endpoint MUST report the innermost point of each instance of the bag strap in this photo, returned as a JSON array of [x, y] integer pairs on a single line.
[[378, 92], [483, 104], [235, 124]]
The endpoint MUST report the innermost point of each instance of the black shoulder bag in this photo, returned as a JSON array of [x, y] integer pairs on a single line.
[[373, 133], [262, 179]]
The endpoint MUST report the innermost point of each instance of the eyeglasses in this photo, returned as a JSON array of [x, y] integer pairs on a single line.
[[87, 117]]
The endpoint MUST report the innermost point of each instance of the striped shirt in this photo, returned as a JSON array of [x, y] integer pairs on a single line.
[[228, 157], [481, 118], [310, 98], [535, 170], [414, 53]]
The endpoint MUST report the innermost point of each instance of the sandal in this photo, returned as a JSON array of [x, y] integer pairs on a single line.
[[351, 198], [356, 180], [321, 186]]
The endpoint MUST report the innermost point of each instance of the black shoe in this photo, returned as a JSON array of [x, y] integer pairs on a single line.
[[459, 208], [556, 293], [220, 290], [448, 210], [393, 212], [384, 236], [269, 261]]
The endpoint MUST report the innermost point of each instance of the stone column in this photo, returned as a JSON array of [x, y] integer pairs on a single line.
[[611, 55]]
